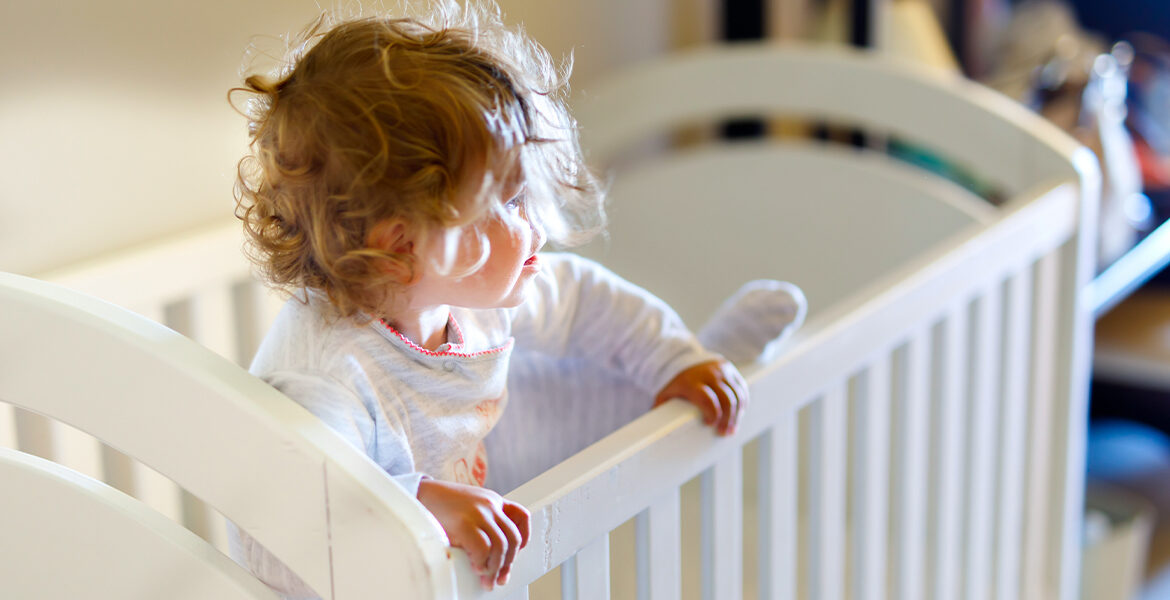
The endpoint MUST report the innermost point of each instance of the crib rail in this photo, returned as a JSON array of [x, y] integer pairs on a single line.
[[205, 292], [86, 533], [219, 433], [945, 342]]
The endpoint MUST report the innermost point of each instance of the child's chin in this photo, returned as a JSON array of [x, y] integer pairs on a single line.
[[518, 296]]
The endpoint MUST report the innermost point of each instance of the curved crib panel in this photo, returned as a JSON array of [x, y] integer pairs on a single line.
[[197, 284], [67, 536], [962, 120], [221, 434], [833, 219]]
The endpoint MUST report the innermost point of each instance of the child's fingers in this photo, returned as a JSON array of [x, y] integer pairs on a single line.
[[743, 400], [741, 390], [499, 547], [729, 403], [512, 533], [708, 403], [478, 547], [735, 379], [726, 407], [521, 517]]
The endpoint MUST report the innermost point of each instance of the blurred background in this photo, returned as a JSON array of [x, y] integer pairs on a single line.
[[117, 131]]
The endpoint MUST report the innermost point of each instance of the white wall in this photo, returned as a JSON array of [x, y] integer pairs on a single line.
[[116, 130]]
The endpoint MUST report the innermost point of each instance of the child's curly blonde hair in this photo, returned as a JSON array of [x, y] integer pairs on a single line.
[[380, 118]]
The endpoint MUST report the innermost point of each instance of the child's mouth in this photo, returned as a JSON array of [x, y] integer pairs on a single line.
[[531, 261]]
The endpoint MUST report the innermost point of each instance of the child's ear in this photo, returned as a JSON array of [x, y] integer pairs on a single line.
[[394, 236]]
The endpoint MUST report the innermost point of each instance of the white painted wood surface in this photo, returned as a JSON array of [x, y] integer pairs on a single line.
[[912, 451], [990, 134], [7, 425], [156, 394], [157, 491], [169, 270], [871, 483], [827, 474], [199, 285], [722, 528], [68, 536], [984, 452], [1013, 429], [659, 549], [883, 203], [1037, 563], [76, 449], [949, 497], [586, 575], [778, 502]]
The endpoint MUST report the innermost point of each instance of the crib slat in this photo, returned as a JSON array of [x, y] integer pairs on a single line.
[[256, 308], [983, 451], [912, 452], [158, 492], [1040, 502], [722, 528], [118, 470], [586, 575], [7, 425], [778, 502], [659, 543], [871, 483], [217, 531], [202, 317], [76, 449], [1013, 424], [34, 434], [827, 495], [203, 520], [212, 320], [950, 467], [135, 478]]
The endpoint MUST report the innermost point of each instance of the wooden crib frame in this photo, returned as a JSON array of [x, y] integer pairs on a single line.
[[980, 496]]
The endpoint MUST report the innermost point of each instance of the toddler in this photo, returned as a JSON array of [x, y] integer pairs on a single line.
[[405, 176]]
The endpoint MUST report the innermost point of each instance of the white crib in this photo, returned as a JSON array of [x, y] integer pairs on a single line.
[[922, 438]]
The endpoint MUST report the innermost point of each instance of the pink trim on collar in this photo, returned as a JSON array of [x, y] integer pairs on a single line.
[[458, 332]]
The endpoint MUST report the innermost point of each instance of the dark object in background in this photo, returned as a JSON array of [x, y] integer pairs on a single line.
[[1117, 18], [743, 20]]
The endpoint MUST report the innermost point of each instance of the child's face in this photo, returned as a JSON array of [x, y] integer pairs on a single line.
[[503, 279]]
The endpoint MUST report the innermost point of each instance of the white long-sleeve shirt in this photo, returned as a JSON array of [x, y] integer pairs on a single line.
[[417, 412]]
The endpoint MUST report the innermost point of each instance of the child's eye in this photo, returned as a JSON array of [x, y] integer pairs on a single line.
[[515, 203]]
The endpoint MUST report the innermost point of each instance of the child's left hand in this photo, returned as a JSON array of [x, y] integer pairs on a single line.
[[716, 387]]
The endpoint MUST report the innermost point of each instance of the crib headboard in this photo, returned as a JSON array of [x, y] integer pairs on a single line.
[[219, 433], [802, 191]]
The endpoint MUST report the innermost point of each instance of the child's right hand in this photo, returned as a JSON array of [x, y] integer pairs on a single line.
[[489, 527]]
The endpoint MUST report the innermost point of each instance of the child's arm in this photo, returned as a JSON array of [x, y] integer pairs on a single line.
[[579, 308], [489, 527]]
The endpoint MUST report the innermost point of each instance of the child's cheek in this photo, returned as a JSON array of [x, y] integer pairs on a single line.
[[517, 232]]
